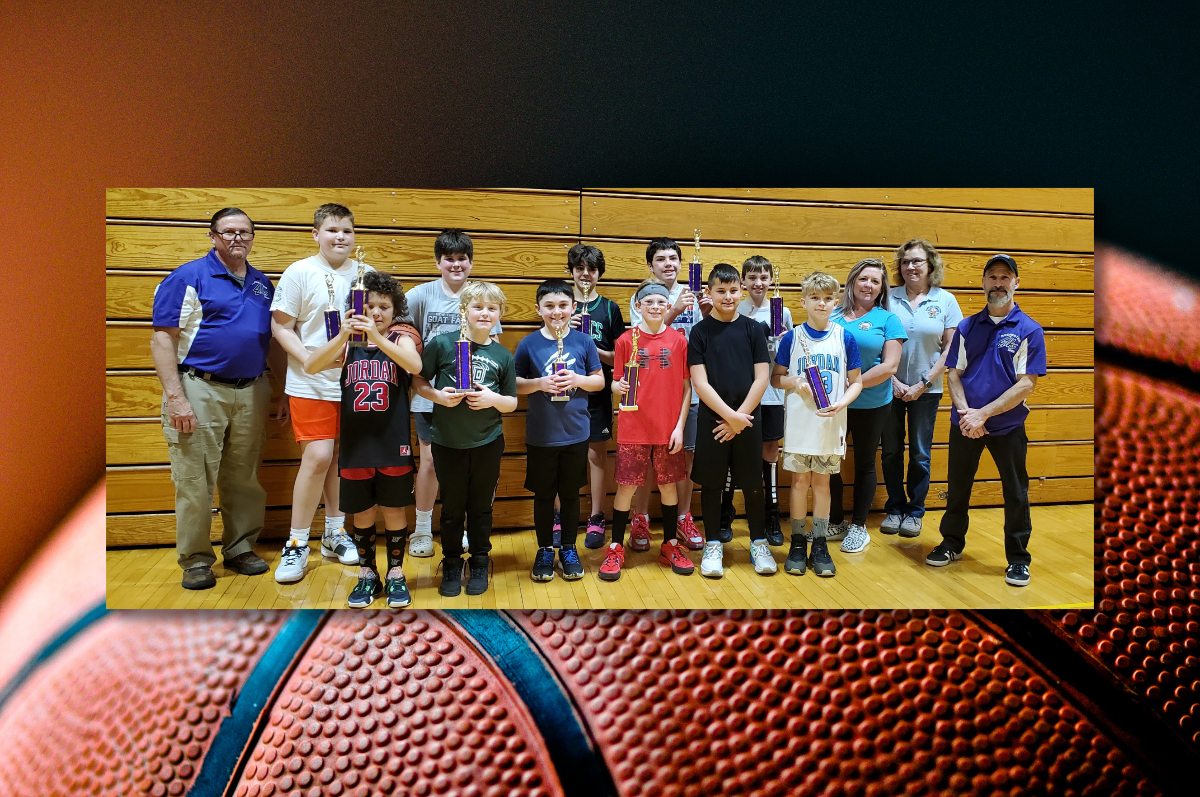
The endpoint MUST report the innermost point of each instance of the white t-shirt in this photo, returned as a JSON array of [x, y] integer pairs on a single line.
[[434, 312], [303, 294], [774, 396], [683, 322]]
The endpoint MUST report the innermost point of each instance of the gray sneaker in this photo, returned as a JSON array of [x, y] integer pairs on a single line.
[[910, 527], [292, 562], [338, 543], [891, 523], [856, 540], [838, 532]]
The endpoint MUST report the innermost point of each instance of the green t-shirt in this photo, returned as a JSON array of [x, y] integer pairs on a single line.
[[491, 366]]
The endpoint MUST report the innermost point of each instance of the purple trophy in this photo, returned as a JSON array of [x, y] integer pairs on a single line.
[[696, 271], [462, 359], [560, 365], [776, 314], [815, 383], [333, 317], [358, 299]]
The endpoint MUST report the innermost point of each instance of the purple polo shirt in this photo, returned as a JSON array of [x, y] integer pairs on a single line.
[[992, 357], [224, 327]]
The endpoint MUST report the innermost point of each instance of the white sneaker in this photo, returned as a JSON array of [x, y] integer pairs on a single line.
[[292, 563], [420, 544], [711, 564], [838, 531], [760, 554], [856, 540], [338, 543]]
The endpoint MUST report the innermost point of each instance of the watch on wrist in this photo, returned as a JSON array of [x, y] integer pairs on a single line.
[[926, 382]]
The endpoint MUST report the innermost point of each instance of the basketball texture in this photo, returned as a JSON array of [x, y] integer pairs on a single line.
[[654, 703]]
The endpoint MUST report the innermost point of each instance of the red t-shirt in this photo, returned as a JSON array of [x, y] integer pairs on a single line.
[[663, 361]]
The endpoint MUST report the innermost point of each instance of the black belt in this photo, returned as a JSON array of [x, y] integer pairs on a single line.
[[209, 376]]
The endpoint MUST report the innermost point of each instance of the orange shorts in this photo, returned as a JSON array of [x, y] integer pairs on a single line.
[[314, 419]]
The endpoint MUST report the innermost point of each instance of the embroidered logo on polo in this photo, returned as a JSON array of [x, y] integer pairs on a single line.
[[260, 289], [1009, 342], [934, 311]]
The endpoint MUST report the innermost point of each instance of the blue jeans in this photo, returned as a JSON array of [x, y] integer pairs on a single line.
[[921, 415]]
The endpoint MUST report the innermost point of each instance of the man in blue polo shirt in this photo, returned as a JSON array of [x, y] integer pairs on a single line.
[[993, 365], [212, 334]]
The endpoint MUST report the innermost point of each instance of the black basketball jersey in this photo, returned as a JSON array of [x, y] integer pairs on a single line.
[[374, 410]]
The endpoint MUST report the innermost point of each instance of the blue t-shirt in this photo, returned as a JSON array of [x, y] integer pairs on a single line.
[[870, 332], [556, 423], [224, 325]]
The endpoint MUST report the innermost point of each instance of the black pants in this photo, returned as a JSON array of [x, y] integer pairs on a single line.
[[1008, 451], [556, 471], [865, 428], [467, 478], [742, 457]]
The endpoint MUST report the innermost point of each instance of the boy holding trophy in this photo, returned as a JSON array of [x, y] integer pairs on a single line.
[[651, 378], [471, 380], [818, 365], [375, 459], [555, 366]]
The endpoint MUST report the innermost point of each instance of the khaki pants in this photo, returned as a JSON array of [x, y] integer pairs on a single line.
[[223, 452]]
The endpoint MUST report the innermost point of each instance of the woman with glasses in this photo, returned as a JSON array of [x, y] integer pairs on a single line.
[[929, 316]]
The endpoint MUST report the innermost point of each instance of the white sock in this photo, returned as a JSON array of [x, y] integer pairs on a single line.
[[299, 534], [332, 524], [681, 517], [424, 521]]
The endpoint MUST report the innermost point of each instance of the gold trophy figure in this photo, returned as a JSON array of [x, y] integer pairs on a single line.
[[585, 319], [560, 363], [358, 297], [629, 400], [333, 316]]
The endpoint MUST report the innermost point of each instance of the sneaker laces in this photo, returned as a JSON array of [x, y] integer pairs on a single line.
[[712, 548], [611, 556], [569, 555], [544, 556], [760, 549], [291, 553]]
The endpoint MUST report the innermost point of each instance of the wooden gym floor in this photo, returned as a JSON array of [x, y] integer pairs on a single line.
[[890, 573]]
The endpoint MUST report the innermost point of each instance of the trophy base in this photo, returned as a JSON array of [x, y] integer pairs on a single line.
[[463, 390], [356, 343], [560, 398], [628, 408]]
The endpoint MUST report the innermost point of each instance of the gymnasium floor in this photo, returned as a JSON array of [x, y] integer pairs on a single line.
[[890, 573]]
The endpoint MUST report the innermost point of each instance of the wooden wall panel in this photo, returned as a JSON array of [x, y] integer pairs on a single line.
[[1048, 200], [548, 212], [522, 237], [629, 217]]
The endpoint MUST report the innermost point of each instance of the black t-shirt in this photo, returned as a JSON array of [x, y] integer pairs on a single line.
[[607, 325], [728, 352], [374, 410]]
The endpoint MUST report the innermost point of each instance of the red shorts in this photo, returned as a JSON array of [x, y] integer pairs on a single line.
[[314, 419], [633, 459]]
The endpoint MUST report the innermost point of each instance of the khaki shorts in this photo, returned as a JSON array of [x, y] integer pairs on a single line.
[[801, 463]]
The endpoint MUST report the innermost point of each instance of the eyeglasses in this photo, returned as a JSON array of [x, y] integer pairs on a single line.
[[230, 235], [917, 262]]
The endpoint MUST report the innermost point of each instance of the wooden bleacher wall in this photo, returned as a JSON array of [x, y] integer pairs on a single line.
[[522, 236]]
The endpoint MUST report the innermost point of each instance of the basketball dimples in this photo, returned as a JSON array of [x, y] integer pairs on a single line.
[[410, 332]]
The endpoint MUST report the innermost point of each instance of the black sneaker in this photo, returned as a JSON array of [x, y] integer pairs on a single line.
[[568, 560], [543, 565], [595, 532], [819, 559], [365, 592], [477, 579], [725, 530], [774, 533], [396, 590], [451, 585], [797, 558], [942, 556], [1017, 574]]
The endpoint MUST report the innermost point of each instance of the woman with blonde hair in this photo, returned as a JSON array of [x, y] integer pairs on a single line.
[[929, 316]]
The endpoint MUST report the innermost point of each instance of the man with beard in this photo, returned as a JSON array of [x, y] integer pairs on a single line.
[[993, 364]]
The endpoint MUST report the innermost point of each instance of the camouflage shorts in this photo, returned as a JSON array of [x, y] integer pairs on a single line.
[[801, 463]]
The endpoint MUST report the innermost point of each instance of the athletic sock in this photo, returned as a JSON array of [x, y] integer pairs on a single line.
[[620, 522], [772, 499], [299, 534], [669, 521], [797, 527], [364, 541], [395, 549], [820, 527], [424, 521], [332, 524]]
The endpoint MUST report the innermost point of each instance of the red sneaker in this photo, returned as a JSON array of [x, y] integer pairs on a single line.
[[691, 535], [610, 570], [639, 534], [671, 554]]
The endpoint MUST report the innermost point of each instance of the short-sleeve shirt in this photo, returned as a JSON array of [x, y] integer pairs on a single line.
[[992, 357], [303, 294], [607, 326], [924, 324], [548, 422], [224, 325], [774, 396], [683, 322], [492, 366], [728, 350], [835, 354], [433, 312], [870, 332], [662, 361]]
